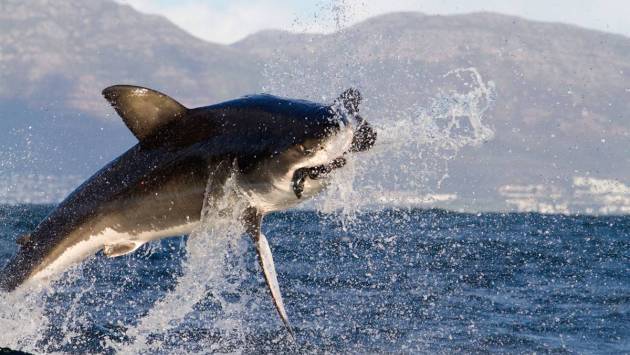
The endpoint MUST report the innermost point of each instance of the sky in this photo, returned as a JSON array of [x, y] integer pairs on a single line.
[[227, 21]]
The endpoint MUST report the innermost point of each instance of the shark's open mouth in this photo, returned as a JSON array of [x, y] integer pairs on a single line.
[[363, 139], [314, 173]]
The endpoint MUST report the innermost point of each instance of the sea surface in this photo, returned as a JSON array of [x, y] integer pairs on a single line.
[[399, 281]]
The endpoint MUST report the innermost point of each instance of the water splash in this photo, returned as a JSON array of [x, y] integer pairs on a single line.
[[214, 259], [415, 143], [22, 316], [206, 297], [432, 135], [329, 16], [27, 314], [451, 120], [442, 112]]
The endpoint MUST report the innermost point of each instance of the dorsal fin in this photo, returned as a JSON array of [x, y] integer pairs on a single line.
[[143, 110]]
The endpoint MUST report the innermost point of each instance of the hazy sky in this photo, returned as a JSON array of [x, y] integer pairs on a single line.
[[227, 21]]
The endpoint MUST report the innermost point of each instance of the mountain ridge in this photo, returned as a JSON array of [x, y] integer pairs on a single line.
[[561, 106]]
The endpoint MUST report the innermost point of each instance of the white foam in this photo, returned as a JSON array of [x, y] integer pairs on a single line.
[[205, 270]]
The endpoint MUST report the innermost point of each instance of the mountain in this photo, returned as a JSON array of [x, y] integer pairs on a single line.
[[558, 96], [57, 56]]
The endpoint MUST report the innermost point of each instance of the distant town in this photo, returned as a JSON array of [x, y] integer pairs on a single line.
[[587, 195]]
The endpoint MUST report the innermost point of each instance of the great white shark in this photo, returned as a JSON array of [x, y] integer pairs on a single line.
[[281, 152]]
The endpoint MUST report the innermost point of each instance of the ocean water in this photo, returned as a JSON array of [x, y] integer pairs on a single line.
[[401, 281]]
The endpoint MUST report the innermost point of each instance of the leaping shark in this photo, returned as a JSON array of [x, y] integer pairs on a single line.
[[280, 150]]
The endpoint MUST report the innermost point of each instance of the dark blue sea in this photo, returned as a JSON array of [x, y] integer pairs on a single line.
[[390, 281]]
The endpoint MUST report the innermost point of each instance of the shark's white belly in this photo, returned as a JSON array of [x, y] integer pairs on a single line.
[[109, 237]]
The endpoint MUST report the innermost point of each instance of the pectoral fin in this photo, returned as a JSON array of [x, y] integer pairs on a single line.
[[253, 220], [119, 249]]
